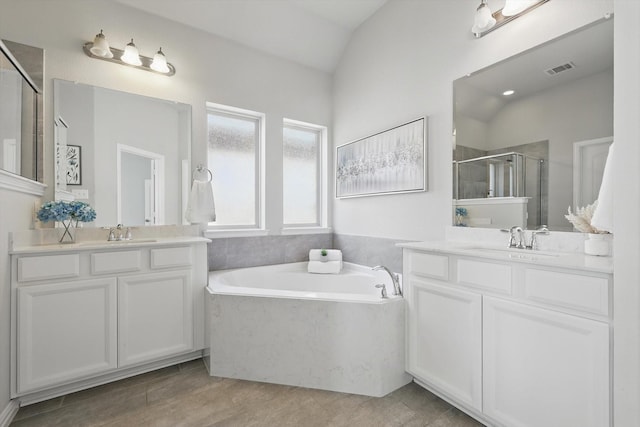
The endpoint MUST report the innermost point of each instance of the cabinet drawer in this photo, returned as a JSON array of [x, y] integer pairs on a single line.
[[585, 293], [48, 267], [486, 275], [436, 266], [171, 257], [115, 262]]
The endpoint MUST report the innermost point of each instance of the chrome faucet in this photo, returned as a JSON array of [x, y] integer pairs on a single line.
[[517, 237], [120, 235], [394, 278]]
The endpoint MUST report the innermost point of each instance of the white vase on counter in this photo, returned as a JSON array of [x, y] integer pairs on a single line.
[[597, 244]]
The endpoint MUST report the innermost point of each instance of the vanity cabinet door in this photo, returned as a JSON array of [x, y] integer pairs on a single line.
[[444, 339], [65, 331], [544, 368], [155, 316]]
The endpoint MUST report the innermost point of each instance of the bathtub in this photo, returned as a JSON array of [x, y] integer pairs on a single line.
[[280, 324]]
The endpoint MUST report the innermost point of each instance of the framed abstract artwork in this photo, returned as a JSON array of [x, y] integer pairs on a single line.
[[74, 168], [388, 162]]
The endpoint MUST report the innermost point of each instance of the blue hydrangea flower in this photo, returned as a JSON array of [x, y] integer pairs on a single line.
[[63, 211], [461, 211], [81, 211]]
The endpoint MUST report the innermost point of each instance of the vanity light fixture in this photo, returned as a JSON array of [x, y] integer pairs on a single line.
[[511, 10], [159, 62], [483, 20], [100, 49], [514, 7], [101, 46], [131, 55]]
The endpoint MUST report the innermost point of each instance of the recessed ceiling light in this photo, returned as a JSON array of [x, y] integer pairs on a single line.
[[508, 92]]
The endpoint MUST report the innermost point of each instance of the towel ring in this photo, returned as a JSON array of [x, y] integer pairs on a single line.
[[200, 169]]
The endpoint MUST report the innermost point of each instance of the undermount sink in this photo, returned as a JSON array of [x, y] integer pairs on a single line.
[[512, 252], [117, 242]]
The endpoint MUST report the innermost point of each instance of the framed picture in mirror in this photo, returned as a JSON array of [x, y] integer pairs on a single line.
[[74, 168]]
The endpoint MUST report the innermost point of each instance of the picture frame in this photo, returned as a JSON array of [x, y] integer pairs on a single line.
[[389, 162], [74, 165]]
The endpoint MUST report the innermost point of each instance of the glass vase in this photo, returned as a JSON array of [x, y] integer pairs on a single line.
[[67, 231]]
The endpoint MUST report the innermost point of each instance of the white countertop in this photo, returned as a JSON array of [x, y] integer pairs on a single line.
[[571, 260], [103, 244]]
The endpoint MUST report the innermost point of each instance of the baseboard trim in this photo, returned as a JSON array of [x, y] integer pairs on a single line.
[[8, 413], [51, 392]]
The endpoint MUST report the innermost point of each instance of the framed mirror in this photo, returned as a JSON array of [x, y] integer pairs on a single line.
[[21, 69], [126, 155], [532, 132]]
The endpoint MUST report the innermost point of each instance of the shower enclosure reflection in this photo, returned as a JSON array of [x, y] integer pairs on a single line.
[[507, 185]]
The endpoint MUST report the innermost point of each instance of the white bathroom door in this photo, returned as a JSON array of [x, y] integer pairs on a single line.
[[589, 158], [140, 186]]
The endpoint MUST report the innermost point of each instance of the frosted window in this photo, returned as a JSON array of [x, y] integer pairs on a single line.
[[301, 161], [233, 141]]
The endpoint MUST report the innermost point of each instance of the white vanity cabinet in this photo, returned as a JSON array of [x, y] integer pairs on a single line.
[[515, 344], [444, 331], [102, 313], [66, 330]]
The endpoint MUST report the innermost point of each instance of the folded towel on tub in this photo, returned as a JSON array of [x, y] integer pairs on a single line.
[[328, 267], [332, 255]]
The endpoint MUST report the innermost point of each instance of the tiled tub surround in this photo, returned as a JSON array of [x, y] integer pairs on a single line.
[[348, 340], [370, 251], [239, 252]]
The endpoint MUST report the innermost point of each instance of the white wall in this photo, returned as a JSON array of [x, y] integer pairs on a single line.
[[401, 64], [626, 246], [208, 68], [16, 213]]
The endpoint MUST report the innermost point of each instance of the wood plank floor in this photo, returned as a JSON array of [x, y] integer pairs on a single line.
[[185, 395]]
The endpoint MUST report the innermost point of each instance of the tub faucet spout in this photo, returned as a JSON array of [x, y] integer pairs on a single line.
[[394, 278]]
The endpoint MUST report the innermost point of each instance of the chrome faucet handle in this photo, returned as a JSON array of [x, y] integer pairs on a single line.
[[383, 290], [517, 231], [112, 235], [127, 234], [533, 244]]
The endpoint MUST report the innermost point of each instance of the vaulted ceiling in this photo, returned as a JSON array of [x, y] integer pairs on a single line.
[[310, 32]]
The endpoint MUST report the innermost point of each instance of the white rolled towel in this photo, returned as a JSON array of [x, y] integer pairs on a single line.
[[328, 267], [332, 255]]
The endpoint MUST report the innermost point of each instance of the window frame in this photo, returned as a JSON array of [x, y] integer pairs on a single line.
[[258, 228], [321, 178]]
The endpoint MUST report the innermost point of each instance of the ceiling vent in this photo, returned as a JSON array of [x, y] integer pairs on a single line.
[[560, 68]]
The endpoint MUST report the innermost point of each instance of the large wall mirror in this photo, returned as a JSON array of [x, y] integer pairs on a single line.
[[126, 155], [21, 69], [532, 132]]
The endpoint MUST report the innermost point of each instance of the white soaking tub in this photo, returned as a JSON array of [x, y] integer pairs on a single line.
[[280, 324]]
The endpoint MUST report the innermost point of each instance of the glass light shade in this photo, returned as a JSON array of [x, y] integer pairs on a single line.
[[131, 55], [483, 19], [159, 63], [100, 46], [514, 7]]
